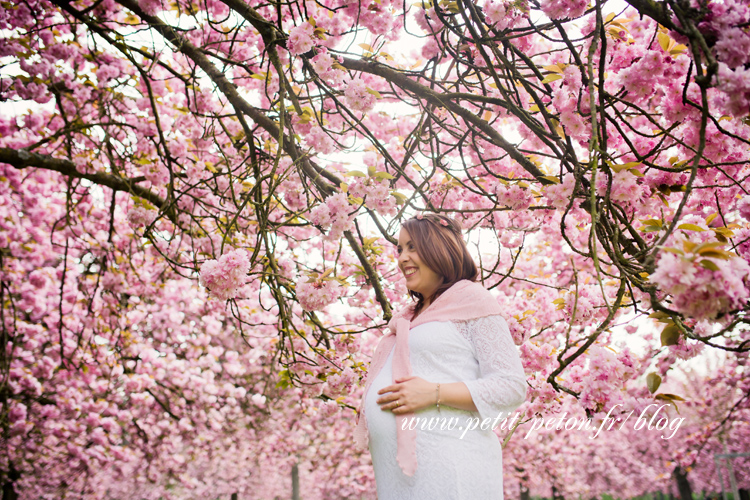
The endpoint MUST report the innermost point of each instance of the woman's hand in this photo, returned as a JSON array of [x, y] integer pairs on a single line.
[[408, 395]]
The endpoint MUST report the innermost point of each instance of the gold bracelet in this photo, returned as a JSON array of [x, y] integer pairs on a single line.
[[437, 394]]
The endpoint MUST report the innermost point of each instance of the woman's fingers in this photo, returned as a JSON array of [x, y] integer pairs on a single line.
[[390, 388], [398, 407], [394, 402], [387, 399]]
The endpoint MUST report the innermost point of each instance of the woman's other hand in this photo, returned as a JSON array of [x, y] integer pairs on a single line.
[[408, 395]]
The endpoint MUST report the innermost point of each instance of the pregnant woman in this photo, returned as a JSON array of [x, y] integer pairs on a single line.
[[448, 357]]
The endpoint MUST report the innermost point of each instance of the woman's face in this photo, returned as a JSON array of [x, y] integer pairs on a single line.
[[419, 277]]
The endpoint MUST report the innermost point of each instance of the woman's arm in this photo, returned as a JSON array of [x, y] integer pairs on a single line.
[[501, 386], [415, 393]]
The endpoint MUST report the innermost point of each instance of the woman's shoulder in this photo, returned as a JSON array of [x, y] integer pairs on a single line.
[[469, 290], [469, 299]]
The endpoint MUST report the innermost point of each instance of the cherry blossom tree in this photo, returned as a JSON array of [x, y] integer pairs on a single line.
[[200, 202]]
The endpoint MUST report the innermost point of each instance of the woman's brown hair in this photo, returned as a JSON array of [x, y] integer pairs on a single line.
[[440, 244]]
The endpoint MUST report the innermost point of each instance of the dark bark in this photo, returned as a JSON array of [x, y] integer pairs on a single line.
[[683, 485], [9, 490], [525, 495]]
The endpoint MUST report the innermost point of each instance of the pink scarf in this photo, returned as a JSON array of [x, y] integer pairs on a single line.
[[463, 301]]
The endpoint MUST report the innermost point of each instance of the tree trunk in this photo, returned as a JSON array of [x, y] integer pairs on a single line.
[[295, 482], [683, 485], [524, 493], [9, 491], [556, 495]]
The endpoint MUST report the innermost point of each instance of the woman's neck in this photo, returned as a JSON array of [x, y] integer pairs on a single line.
[[425, 305]]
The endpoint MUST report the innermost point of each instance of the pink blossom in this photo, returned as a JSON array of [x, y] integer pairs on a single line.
[[141, 216], [743, 206], [316, 295], [558, 9], [224, 277], [625, 187], [301, 39], [736, 85], [323, 65], [431, 48], [495, 12], [358, 96], [333, 214], [514, 197], [699, 292], [558, 195]]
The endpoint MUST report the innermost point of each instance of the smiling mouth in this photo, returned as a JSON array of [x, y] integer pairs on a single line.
[[410, 271]]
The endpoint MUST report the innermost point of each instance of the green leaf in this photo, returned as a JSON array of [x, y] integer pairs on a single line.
[[551, 78], [284, 379], [653, 381], [664, 41], [660, 316], [670, 335], [716, 254], [673, 250], [551, 178], [636, 172], [383, 175], [669, 397], [690, 227], [375, 93], [355, 173], [400, 198], [709, 264], [652, 222], [707, 246], [625, 166]]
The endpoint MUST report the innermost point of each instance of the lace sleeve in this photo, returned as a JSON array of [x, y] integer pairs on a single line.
[[501, 386]]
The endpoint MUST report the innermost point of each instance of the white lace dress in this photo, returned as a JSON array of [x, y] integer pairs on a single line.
[[453, 463]]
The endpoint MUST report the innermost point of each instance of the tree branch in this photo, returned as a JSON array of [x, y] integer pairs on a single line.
[[21, 158]]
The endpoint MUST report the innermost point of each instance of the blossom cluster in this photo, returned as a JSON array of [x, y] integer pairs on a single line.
[[558, 195], [358, 96], [301, 38], [224, 277], [376, 195], [558, 9], [333, 214], [696, 289], [727, 22], [141, 216], [315, 295], [514, 197]]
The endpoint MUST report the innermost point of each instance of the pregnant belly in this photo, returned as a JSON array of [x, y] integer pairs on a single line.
[[381, 425]]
